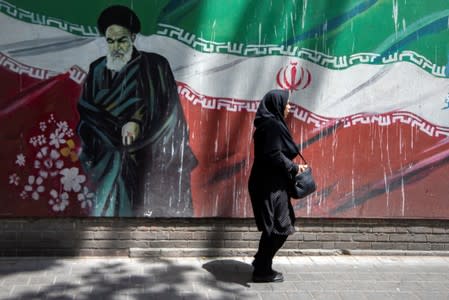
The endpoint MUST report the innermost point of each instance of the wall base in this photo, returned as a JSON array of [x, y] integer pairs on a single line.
[[216, 237]]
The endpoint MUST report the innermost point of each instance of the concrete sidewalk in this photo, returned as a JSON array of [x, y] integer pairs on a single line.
[[306, 277]]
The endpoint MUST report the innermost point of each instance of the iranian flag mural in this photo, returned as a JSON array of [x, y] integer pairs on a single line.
[[168, 133]]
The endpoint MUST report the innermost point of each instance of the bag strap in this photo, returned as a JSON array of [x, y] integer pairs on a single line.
[[302, 157]]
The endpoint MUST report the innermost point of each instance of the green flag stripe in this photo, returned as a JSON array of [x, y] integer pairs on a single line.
[[322, 59], [208, 27]]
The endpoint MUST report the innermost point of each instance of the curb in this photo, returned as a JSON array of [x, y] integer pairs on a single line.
[[245, 252]]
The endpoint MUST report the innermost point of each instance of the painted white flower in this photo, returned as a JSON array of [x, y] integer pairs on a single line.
[[86, 198], [62, 126], [42, 153], [20, 160], [34, 187], [23, 195], [72, 179], [69, 133], [52, 119], [57, 138], [38, 140], [42, 126], [49, 162], [59, 201], [42, 140], [43, 174], [14, 179], [33, 141]]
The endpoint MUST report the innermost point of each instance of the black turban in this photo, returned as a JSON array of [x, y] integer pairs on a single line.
[[118, 15]]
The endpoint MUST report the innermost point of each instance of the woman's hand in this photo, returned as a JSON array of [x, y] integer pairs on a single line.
[[302, 168]]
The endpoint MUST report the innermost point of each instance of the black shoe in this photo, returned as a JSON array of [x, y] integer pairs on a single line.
[[272, 277]]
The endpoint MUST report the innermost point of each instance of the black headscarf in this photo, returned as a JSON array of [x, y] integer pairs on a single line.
[[270, 109]]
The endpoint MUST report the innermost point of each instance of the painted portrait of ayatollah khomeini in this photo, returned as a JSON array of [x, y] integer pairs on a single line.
[[134, 137]]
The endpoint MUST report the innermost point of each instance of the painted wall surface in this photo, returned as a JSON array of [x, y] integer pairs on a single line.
[[370, 94]]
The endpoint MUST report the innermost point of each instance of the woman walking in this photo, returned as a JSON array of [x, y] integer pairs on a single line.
[[274, 150]]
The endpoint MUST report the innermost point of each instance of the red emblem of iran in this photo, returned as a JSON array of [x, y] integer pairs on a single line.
[[293, 77]]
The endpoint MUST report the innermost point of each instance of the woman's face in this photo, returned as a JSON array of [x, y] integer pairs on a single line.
[[286, 110]]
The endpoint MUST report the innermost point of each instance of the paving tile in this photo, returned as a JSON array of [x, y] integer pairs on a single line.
[[5, 292], [352, 295], [337, 275], [337, 285], [261, 286], [273, 295], [42, 280], [303, 295], [219, 295], [309, 286], [376, 295], [311, 276], [324, 295], [429, 295], [403, 296], [16, 280]]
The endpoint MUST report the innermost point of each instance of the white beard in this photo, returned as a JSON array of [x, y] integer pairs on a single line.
[[116, 64]]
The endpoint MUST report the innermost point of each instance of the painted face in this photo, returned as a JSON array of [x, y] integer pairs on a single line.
[[119, 40], [120, 47]]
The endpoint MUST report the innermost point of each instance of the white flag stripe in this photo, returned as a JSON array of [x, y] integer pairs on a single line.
[[58, 54], [332, 93]]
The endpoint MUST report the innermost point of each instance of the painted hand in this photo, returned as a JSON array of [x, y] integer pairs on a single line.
[[130, 132]]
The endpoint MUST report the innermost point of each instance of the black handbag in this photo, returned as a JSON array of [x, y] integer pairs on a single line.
[[303, 183]]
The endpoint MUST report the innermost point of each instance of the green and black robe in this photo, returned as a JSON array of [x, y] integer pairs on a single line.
[[151, 177]]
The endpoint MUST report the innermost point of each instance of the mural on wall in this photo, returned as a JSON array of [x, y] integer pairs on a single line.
[[146, 109], [134, 138]]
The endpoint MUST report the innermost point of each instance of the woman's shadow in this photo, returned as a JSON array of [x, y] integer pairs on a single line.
[[230, 271]]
